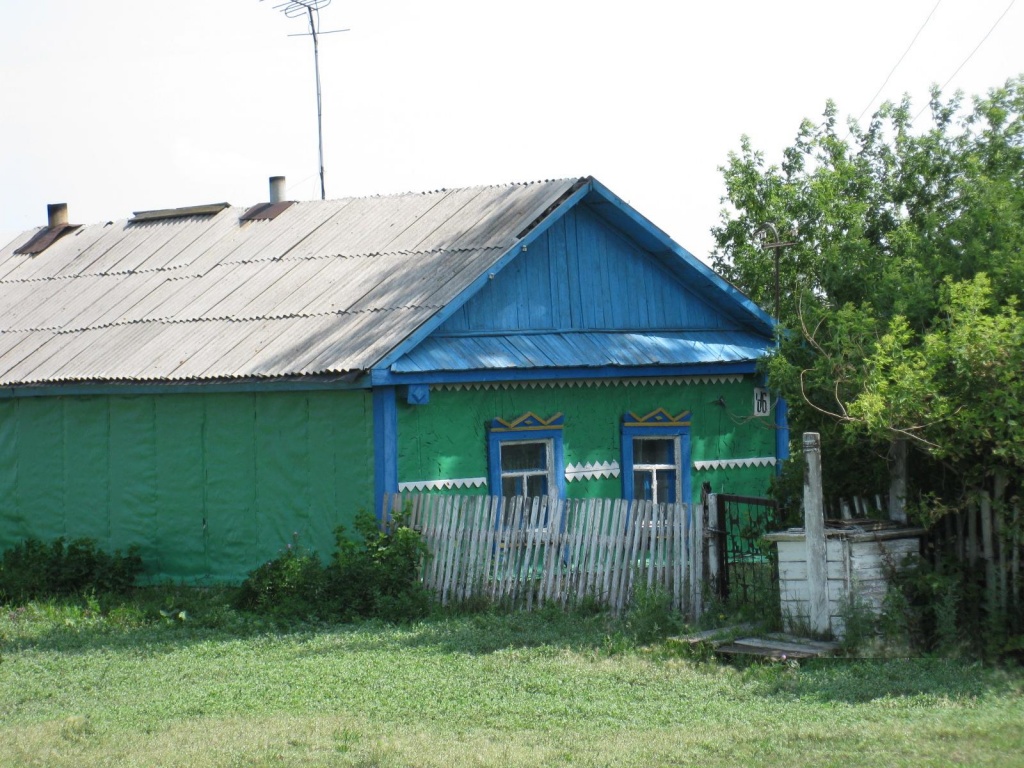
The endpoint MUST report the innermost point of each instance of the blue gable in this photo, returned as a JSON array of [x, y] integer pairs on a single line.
[[584, 275], [593, 285]]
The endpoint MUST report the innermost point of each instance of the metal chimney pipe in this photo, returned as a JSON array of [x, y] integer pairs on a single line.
[[277, 191], [57, 214]]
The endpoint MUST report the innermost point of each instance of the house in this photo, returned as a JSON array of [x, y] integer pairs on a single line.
[[211, 382]]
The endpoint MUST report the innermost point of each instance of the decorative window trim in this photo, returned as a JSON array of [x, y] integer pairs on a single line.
[[444, 484], [758, 461], [528, 428], [591, 470], [659, 423]]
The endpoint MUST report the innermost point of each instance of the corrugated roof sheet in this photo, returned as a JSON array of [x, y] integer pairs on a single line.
[[581, 349], [325, 287]]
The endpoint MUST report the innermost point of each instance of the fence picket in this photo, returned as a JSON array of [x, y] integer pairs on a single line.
[[526, 552]]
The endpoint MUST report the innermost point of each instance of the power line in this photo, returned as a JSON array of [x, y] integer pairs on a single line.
[[897, 64], [971, 54]]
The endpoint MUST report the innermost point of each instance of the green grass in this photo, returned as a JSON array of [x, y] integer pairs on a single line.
[[140, 683]]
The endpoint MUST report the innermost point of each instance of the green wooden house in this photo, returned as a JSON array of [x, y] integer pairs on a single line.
[[211, 383]]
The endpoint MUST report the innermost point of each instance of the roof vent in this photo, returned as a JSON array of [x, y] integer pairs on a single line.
[[209, 209], [273, 209], [56, 226], [277, 189], [57, 214]]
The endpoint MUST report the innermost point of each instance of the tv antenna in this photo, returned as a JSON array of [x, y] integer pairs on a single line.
[[310, 9]]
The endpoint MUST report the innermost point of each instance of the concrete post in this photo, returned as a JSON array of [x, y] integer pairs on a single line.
[[814, 529]]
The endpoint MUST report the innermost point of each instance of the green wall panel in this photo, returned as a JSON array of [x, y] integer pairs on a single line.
[[41, 466], [282, 473], [132, 474], [12, 525], [180, 528], [447, 438], [230, 460], [208, 485], [86, 466]]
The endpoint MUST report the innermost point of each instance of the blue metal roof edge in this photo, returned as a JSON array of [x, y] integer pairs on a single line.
[[467, 293], [653, 235], [384, 377]]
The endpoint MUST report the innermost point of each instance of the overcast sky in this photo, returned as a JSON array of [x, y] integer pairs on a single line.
[[127, 105]]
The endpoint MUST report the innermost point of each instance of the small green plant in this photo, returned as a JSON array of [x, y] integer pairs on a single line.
[[860, 623], [34, 569], [650, 616]]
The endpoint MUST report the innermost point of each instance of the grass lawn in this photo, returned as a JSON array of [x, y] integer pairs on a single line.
[[84, 684]]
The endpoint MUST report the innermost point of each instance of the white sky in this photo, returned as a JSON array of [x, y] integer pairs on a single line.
[[127, 105]]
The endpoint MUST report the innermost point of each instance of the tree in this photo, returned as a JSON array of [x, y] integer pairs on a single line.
[[897, 312]]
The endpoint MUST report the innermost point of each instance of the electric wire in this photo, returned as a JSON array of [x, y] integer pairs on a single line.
[[897, 64], [971, 54]]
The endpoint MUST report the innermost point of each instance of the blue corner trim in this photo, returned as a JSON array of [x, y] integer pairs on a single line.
[[385, 445], [781, 433]]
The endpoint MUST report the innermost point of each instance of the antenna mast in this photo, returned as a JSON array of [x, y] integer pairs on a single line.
[[294, 9]]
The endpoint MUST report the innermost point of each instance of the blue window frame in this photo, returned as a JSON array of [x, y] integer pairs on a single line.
[[656, 457], [525, 456]]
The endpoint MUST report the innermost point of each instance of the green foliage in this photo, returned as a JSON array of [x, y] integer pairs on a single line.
[[377, 577], [649, 615], [292, 585], [35, 569], [898, 283], [933, 610]]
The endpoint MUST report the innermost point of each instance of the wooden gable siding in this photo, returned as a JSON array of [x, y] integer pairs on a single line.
[[583, 275]]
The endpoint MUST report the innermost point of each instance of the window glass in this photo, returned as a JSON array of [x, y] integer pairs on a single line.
[[525, 469], [654, 469], [653, 450], [517, 456]]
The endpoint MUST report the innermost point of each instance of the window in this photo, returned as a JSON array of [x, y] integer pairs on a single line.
[[525, 456], [656, 457], [525, 467], [655, 471]]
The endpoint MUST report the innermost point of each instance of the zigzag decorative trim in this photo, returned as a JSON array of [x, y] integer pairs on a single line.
[[568, 383], [528, 421], [437, 485], [659, 417], [761, 461], [591, 471]]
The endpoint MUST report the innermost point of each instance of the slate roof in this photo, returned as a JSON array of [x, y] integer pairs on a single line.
[[324, 288]]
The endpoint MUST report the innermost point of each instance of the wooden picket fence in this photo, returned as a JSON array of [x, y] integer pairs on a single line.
[[528, 552]]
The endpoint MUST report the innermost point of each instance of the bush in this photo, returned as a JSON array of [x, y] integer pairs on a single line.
[[292, 585], [377, 577], [34, 569]]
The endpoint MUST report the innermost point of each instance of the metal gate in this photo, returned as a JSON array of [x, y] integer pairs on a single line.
[[740, 562]]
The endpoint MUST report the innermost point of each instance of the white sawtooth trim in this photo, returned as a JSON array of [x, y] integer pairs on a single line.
[[444, 484], [591, 470], [568, 383], [757, 461]]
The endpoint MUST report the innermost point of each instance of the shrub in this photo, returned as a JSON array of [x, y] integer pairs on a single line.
[[34, 569], [377, 577], [380, 577], [292, 585]]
